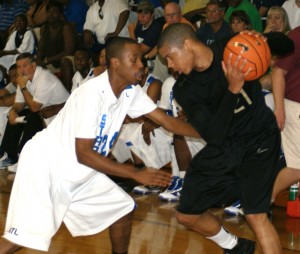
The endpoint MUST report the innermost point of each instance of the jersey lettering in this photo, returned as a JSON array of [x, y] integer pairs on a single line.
[[243, 102]]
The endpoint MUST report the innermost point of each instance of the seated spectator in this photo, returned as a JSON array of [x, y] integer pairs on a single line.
[[239, 21], [20, 41], [102, 65], [216, 27], [37, 88], [292, 8], [126, 146], [37, 15], [83, 67], [173, 14], [105, 19], [249, 8], [277, 20], [146, 30], [7, 98], [62, 37], [8, 12]]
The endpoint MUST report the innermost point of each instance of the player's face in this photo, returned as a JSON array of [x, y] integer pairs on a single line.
[[131, 66], [178, 59], [20, 24], [26, 68]]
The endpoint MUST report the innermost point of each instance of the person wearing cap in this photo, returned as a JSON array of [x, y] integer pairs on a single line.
[[146, 30]]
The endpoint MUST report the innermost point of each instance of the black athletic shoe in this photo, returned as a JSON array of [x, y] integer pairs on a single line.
[[244, 246]]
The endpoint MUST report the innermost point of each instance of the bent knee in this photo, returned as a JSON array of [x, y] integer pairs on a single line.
[[186, 219], [256, 218]]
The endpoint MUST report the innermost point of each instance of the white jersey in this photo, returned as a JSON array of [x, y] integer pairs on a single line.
[[78, 80], [92, 112], [167, 101]]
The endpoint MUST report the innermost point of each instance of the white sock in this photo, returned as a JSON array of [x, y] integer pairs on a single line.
[[224, 239], [181, 174]]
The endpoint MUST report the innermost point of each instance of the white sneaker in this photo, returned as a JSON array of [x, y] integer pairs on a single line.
[[2, 159], [172, 193], [234, 209], [146, 189], [13, 168]]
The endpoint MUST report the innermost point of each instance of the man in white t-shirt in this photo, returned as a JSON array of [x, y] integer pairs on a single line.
[[69, 164], [37, 88], [105, 19]]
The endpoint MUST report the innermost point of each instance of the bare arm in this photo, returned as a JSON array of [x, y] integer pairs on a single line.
[[123, 17], [87, 156], [33, 105], [14, 111], [7, 101], [278, 89], [69, 44], [172, 124]]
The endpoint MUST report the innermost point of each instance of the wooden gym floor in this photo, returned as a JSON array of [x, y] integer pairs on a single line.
[[155, 230]]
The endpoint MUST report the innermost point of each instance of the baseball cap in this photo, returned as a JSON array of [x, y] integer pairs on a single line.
[[145, 5]]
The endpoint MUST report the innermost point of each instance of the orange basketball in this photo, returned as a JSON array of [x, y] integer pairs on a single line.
[[252, 48]]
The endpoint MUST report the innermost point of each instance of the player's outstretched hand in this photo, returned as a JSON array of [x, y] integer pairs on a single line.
[[151, 176]]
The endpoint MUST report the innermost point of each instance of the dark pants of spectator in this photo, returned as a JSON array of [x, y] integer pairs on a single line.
[[15, 136]]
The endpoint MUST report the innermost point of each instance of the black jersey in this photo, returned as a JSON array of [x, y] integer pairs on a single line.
[[214, 111]]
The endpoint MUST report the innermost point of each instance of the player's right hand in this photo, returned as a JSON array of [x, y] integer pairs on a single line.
[[151, 176]]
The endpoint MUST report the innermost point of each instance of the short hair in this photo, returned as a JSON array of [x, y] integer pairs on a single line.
[[241, 16], [56, 4], [115, 47], [85, 51], [175, 35], [26, 55], [222, 5]]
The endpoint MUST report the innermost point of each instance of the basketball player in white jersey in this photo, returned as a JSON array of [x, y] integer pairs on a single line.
[[62, 170]]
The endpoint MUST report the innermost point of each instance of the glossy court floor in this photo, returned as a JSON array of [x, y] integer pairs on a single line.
[[155, 230]]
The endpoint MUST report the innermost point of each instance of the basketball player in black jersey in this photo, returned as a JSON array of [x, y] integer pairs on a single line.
[[243, 141]]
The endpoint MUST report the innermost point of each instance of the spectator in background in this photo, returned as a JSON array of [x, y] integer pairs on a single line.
[[62, 37], [239, 21], [8, 12], [286, 91], [277, 20], [7, 98], [247, 7], [292, 8], [102, 65], [20, 41], [216, 27], [83, 67], [37, 88], [146, 30], [105, 19], [36, 15], [75, 13]]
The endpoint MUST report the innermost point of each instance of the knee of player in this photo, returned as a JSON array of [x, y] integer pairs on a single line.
[[186, 219], [257, 219]]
